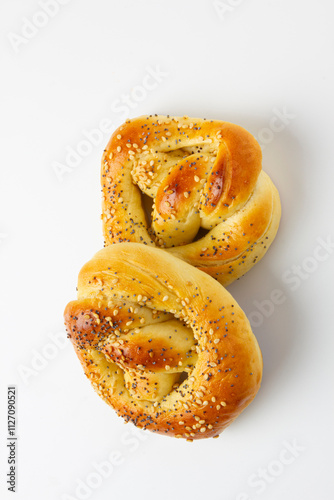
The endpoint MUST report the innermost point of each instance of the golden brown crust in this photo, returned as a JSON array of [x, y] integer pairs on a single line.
[[202, 177], [163, 343]]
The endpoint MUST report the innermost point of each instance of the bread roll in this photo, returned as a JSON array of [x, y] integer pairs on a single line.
[[162, 342], [192, 187]]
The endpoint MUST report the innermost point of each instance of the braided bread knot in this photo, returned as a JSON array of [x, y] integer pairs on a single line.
[[163, 343], [193, 187]]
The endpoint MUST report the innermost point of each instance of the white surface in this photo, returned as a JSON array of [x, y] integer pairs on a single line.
[[240, 66]]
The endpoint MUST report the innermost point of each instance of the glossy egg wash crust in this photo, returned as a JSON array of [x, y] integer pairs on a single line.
[[162, 342], [192, 187]]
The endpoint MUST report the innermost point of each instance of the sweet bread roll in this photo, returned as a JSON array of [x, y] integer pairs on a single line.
[[192, 187], [162, 342]]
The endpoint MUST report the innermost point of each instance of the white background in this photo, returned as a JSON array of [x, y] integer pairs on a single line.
[[242, 62]]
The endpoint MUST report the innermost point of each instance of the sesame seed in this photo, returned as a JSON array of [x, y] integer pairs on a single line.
[[167, 367], [119, 136], [165, 298], [196, 178], [202, 429], [119, 149], [185, 194]]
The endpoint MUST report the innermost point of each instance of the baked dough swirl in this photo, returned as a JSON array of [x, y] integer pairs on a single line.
[[192, 187], [162, 342]]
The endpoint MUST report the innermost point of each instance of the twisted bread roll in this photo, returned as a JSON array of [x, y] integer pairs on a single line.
[[163, 343], [193, 187]]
